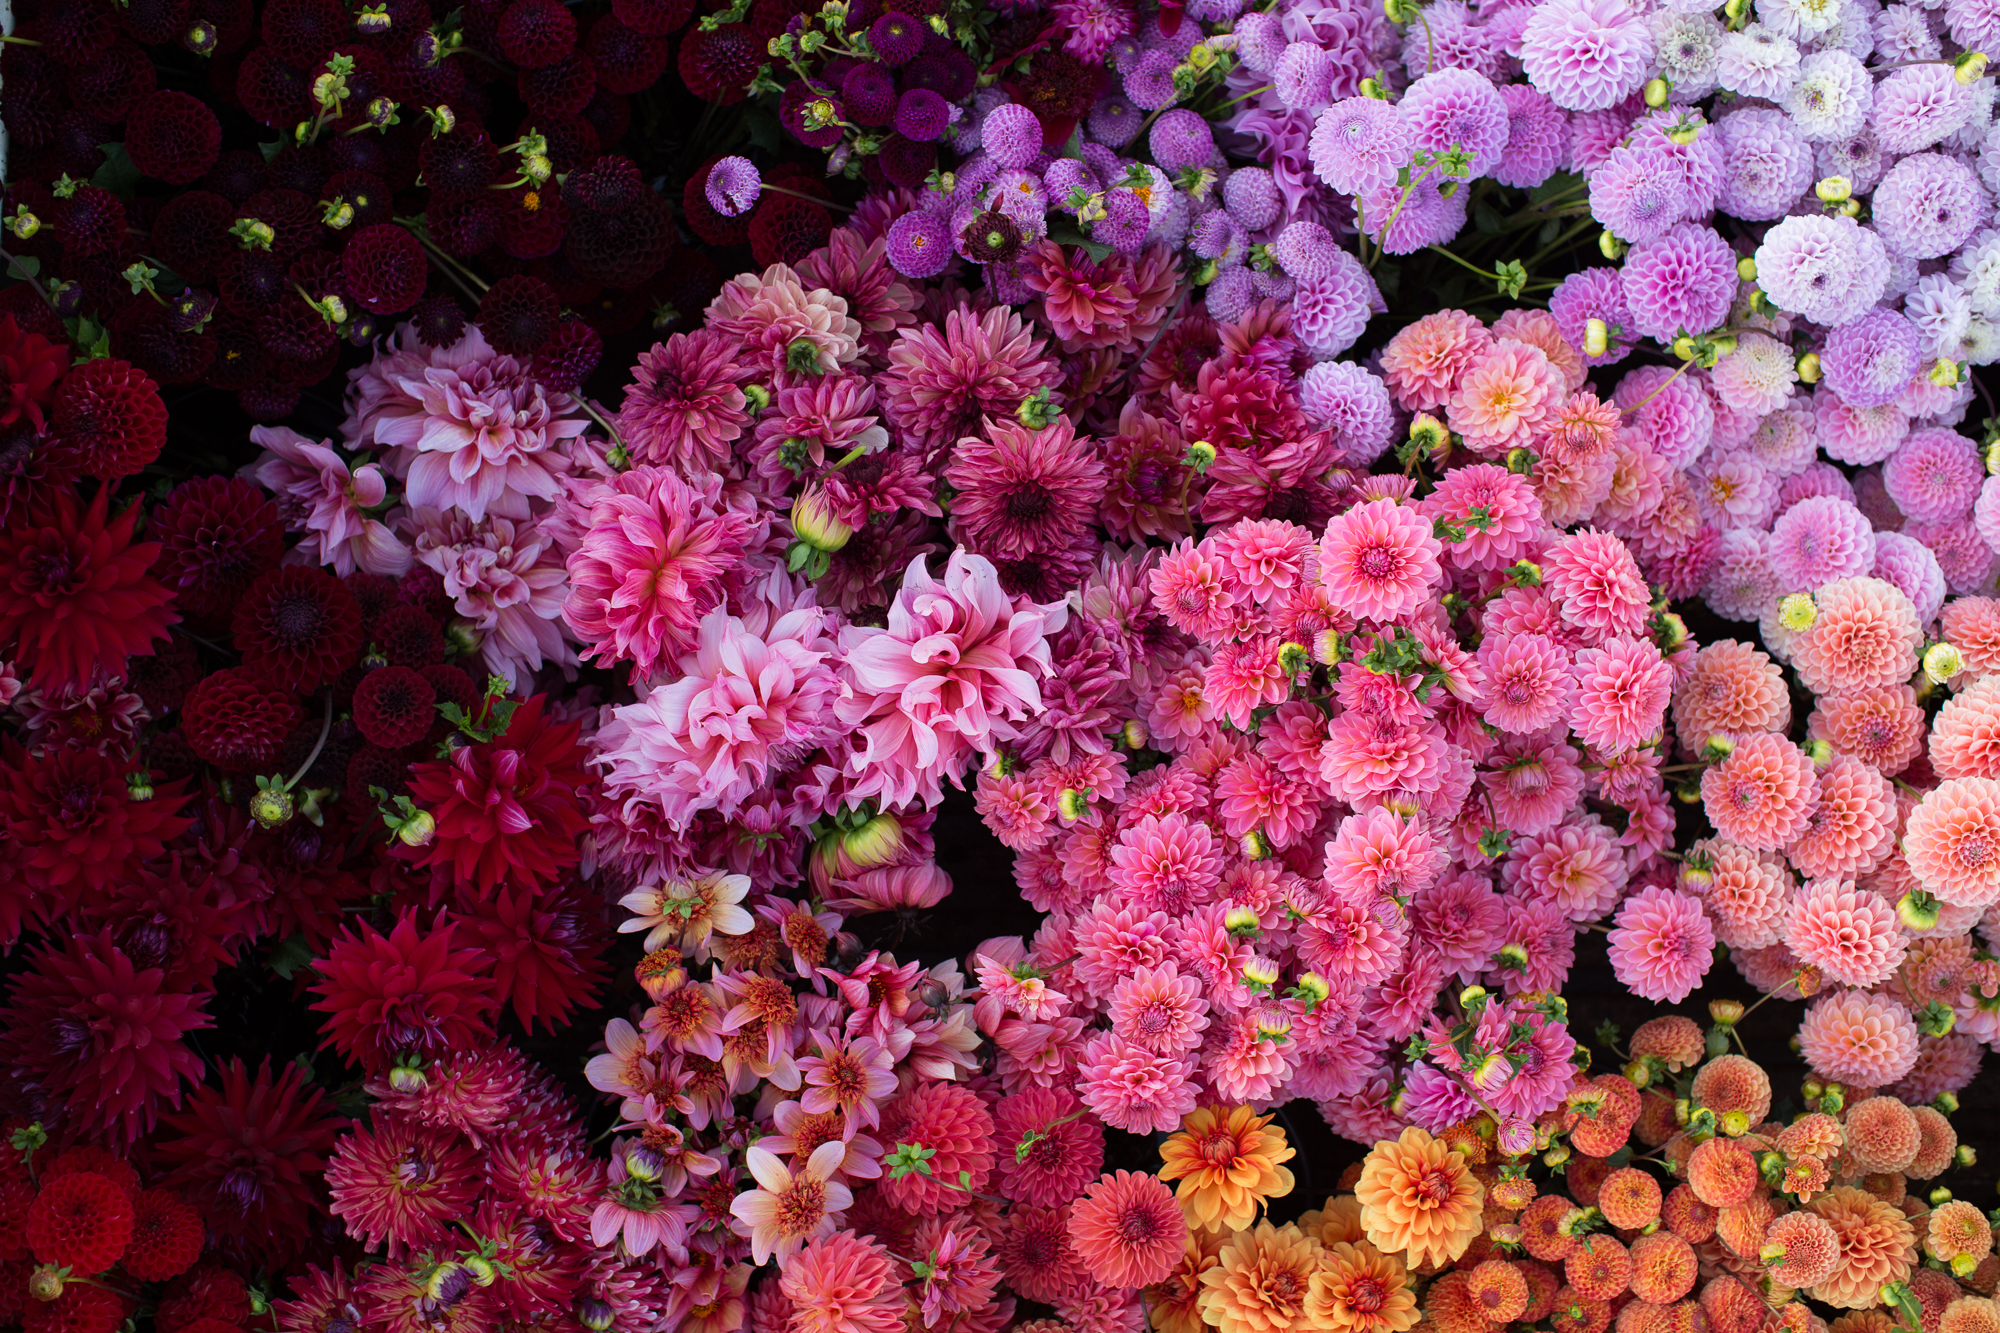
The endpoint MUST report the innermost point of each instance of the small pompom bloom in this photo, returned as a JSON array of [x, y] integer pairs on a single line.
[[1859, 1038], [1661, 944], [1864, 633], [1820, 539], [1952, 843], [1762, 795], [1850, 934], [733, 186], [1621, 696], [1379, 560]]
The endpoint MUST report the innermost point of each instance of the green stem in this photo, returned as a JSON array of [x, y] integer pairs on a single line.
[[1397, 211], [325, 730], [1473, 268], [1561, 241]]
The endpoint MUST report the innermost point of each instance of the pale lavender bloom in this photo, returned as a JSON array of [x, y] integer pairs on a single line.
[[507, 579], [733, 186]]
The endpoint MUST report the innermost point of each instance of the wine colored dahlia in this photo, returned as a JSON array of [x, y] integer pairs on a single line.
[[402, 1185], [249, 1153], [87, 1029], [167, 1237], [547, 950], [83, 1222], [653, 557], [1022, 491], [108, 417], [74, 826], [508, 810], [1379, 560], [76, 599], [407, 993], [30, 365], [217, 534], [239, 721], [943, 382], [1128, 1230], [298, 627]]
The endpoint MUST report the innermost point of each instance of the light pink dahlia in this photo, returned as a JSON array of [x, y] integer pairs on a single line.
[[1733, 690], [1746, 891], [952, 674], [1952, 841], [1965, 735], [740, 707], [941, 384], [1852, 828], [1424, 361], [1532, 782], [1528, 681], [1504, 396], [1850, 934], [781, 328], [1858, 1038], [1660, 944], [1865, 633], [319, 496], [506, 579], [1379, 560], [1762, 796], [1622, 691]]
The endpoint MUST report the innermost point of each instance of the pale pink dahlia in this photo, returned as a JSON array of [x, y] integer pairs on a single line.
[[1882, 726], [739, 708], [685, 406], [781, 328], [653, 556], [1378, 560], [1660, 945], [507, 580], [1865, 633], [1528, 681], [1577, 867], [1746, 891], [1858, 1038], [1762, 796], [1850, 934], [942, 383], [1952, 841], [1424, 361], [1965, 735], [1852, 828], [1596, 585], [1622, 691], [952, 674], [1504, 396], [319, 496]]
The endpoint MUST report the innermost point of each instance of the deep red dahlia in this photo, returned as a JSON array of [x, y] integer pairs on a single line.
[[548, 952], [166, 1237], [620, 232], [394, 706], [437, 320], [383, 266], [207, 1292], [249, 1155], [80, 1309], [73, 825], [628, 61], [533, 33], [108, 414], [98, 1160], [373, 766], [302, 31], [718, 66], [402, 1184], [785, 229], [90, 222], [409, 992], [77, 34], [565, 361], [75, 596], [80, 1221], [30, 365], [507, 809], [172, 137], [519, 314], [272, 91], [298, 627], [560, 89], [238, 721], [408, 636], [659, 18], [217, 534], [85, 1028]]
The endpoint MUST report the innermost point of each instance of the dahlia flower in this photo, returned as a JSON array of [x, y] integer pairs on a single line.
[[1858, 1038], [402, 1185], [1229, 1162], [1379, 560], [507, 580], [75, 829], [952, 674], [1864, 633], [1418, 1199], [1876, 1246], [1660, 945], [409, 992], [783, 329], [653, 556], [1762, 796], [1952, 841], [1260, 1281], [941, 384], [844, 1283], [1023, 491], [685, 407], [1502, 399], [1128, 1229], [1358, 1289]]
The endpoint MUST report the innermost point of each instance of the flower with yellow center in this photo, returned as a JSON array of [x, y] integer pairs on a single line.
[[1226, 1159], [1261, 1281], [1359, 1289], [1419, 1199]]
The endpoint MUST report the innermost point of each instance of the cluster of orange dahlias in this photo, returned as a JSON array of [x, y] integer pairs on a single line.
[[1664, 1198]]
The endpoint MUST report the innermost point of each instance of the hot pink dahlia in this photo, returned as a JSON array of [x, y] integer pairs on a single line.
[[1596, 585], [1661, 944], [844, 1283], [942, 383], [1192, 588], [1497, 509], [1952, 841], [1852, 828], [952, 674], [403, 1185], [1423, 362], [1532, 782], [1762, 796], [653, 556], [1023, 491], [1383, 853], [1865, 633], [1622, 691], [1159, 1009], [742, 706], [1528, 681], [1733, 690], [507, 810], [1045, 1157], [1504, 397], [1858, 1038], [410, 992], [75, 596], [685, 405], [1090, 303], [1578, 867], [1379, 560], [86, 1029], [1255, 793], [1128, 1229], [1850, 934], [1353, 937], [1168, 864]]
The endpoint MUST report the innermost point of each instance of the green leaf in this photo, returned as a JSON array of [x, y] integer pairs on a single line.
[[290, 956], [1485, 220], [117, 175], [761, 123], [273, 148]]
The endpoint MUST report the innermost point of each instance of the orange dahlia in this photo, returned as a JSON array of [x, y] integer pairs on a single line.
[[1419, 1199], [1176, 1302], [1877, 1245], [1226, 1159], [1261, 1281], [1359, 1289]]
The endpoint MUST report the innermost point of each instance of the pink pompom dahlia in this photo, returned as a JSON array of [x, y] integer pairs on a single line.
[[1528, 681], [1762, 796], [1965, 735], [1854, 825], [1622, 691], [1504, 397], [1854, 1037], [1952, 841], [1379, 560], [1424, 361], [1734, 690], [1848, 933], [1864, 633], [1596, 585], [954, 671], [1660, 944]]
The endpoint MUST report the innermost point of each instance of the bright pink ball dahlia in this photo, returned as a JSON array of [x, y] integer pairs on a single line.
[[1854, 1037], [954, 1123], [1850, 934], [1865, 633], [1128, 1229], [1952, 841], [1762, 796], [1965, 734], [1063, 1158], [1160, 1009], [1596, 585], [1661, 944], [1131, 1088], [1512, 517], [1852, 828], [1622, 691], [1379, 560]]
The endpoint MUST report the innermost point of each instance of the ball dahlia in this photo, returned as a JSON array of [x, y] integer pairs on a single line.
[[298, 627], [1952, 841], [1859, 1038], [108, 417], [217, 534], [79, 1221], [238, 721]]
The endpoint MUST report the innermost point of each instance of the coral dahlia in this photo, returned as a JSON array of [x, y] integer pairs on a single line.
[[1419, 1198]]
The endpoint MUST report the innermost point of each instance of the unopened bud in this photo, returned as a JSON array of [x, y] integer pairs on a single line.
[[1726, 1012], [1942, 661], [1797, 612], [1718, 748], [1746, 268], [1735, 1124], [1809, 371], [1656, 93], [875, 843], [1260, 974], [483, 1273], [757, 396], [1918, 910], [200, 37], [1241, 922], [417, 830], [1520, 461], [46, 1283], [1610, 246], [595, 1315], [272, 806], [1200, 455], [1969, 67], [815, 522], [1256, 845], [1071, 804], [1596, 337], [1944, 372], [373, 20], [1834, 190], [1371, 87], [1819, 750], [1293, 658], [139, 785], [408, 1078], [24, 225]]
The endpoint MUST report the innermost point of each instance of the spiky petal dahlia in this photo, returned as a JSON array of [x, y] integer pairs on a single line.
[[75, 597], [249, 1153], [1379, 560], [409, 992], [941, 383], [402, 1184], [1419, 1199], [507, 809], [89, 1031], [74, 827], [1128, 1230], [1228, 1160]]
